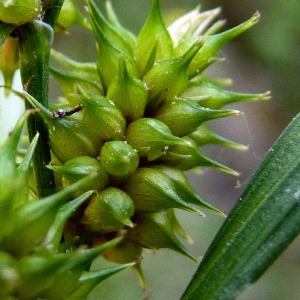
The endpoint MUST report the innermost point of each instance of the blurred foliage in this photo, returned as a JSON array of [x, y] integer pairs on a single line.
[[275, 44]]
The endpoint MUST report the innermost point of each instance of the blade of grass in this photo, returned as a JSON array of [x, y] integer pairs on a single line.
[[262, 224]]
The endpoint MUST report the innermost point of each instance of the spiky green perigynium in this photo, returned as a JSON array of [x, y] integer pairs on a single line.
[[130, 124]]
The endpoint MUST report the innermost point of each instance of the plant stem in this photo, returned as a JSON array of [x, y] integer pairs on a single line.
[[35, 43], [52, 11]]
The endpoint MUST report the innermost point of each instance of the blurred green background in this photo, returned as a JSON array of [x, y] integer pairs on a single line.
[[264, 58]]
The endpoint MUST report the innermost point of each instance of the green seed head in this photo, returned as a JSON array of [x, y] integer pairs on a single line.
[[155, 231], [80, 167], [108, 211], [184, 116], [152, 190], [150, 137], [154, 42], [19, 11], [103, 118], [119, 158], [128, 93]]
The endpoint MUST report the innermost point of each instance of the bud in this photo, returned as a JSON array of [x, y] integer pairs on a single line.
[[108, 56], [213, 43], [68, 138], [108, 211], [24, 220], [69, 15], [154, 41], [103, 118], [80, 167], [119, 158], [185, 30], [58, 275], [19, 11], [151, 137], [126, 251], [110, 32], [9, 60], [154, 231], [189, 156], [76, 74], [128, 93], [129, 37], [184, 116], [169, 78], [203, 136], [209, 94], [152, 190], [9, 276], [184, 189]]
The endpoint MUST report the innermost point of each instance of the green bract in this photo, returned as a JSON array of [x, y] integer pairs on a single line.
[[129, 125]]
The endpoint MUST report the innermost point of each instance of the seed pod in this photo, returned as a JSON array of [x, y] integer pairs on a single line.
[[108, 211], [24, 219], [74, 75], [119, 158], [19, 11], [154, 41], [184, 189], [213, 43], [68, 138], [209, 94], [203, 136], [108, 57], [58, 275], [154, 231], [9, 60], [69, 15], [169, 78], [152, 190], [126, 251], [129, 37], [128, 93], [185, 116], [79, 167], [111, 34], [151, 137], [9, 276], [103, 118], [189, 156]]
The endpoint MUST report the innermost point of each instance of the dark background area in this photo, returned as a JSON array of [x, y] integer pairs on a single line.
[[264, 58]]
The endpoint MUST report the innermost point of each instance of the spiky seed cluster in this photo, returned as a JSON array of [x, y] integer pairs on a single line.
[[144, 104], [128, 128]]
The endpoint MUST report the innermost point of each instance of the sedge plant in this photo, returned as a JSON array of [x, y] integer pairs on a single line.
[[102, 171]]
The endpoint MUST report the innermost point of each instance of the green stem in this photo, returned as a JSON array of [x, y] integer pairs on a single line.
[[51, 11], [35, 42]]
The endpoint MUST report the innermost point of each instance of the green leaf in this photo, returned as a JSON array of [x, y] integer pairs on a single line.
[[262, 224]]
